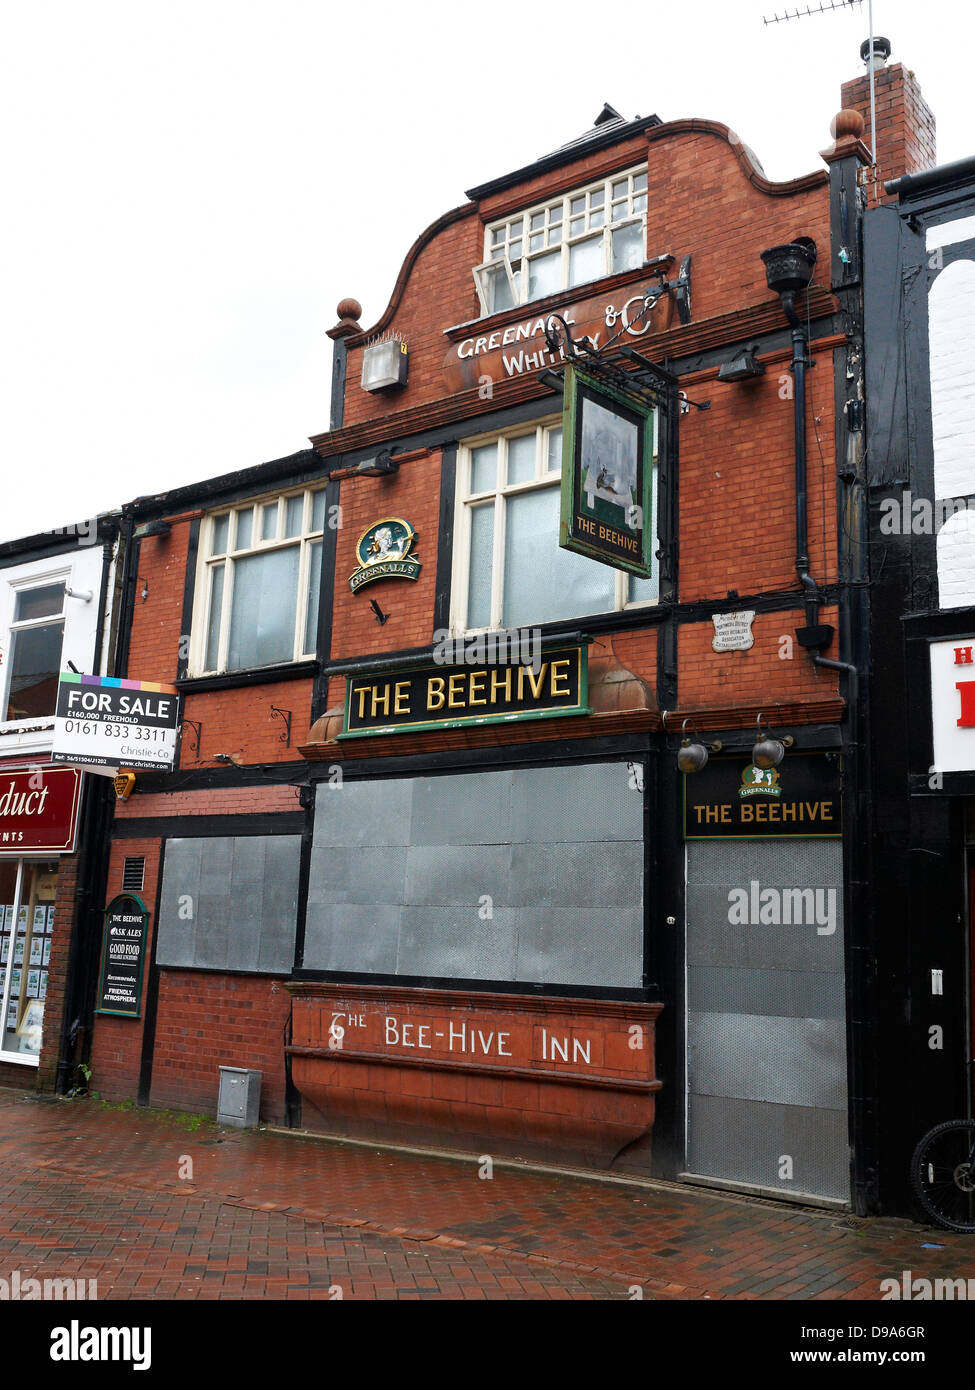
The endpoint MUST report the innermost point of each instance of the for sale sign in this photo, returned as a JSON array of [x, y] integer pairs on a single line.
[[104, 723]]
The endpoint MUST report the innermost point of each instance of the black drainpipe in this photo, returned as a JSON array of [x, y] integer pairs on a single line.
[[788, 270]]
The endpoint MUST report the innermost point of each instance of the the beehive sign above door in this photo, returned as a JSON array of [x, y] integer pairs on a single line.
[[383, 552]]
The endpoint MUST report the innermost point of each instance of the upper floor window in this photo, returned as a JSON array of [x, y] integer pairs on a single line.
[[258, 584], [34, 662], [509, 570], [581, 236]]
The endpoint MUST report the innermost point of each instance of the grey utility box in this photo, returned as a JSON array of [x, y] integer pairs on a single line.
[[239, 1098]]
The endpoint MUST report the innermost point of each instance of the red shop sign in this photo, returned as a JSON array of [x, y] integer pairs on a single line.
[[39, 809]]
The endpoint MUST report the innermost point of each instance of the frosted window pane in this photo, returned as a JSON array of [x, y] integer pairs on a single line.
[[484, 468], [544, 275], [543, 582], [245, 524], [499, 291], [318, 511], [220, 528], [314, 590], [628, 247], [642, 589], [521, 459], [262, 628], [479, 584], [292, 521], [586, 260], [213, 631]]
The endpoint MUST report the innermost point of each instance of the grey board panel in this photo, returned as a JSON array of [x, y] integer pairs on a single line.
[[353, 937], [216, 919], [447, 875], [788, 1061], [453, 942], [276, 944], [582, 946], [783, 993], [755, 1142], [592, 802], [368, 813], [462, 809], [358, 874], [180, 893], [715, 940], [574, 874], [782, 863]]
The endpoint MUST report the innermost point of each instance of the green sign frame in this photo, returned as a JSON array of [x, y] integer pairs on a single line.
[[400, 688], [608, 442]]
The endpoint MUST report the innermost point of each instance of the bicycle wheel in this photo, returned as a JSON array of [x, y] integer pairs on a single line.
[[943, 1174]]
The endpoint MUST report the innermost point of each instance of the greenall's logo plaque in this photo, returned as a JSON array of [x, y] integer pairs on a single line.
[[383, 552], [759, 781]]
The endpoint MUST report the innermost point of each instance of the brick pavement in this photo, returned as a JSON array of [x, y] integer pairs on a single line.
[[96, 1192]]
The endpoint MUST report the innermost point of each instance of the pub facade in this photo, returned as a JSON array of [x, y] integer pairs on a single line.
[[521, 800]]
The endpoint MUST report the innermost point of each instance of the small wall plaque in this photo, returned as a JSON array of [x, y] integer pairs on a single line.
[[733, 631]]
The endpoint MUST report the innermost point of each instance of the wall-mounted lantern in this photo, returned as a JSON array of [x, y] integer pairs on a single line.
[[769, 751]]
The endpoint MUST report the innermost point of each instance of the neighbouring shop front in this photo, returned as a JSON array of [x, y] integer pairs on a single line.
[[39, 808]]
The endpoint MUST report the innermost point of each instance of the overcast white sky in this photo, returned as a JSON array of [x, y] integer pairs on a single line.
[[190, 188]]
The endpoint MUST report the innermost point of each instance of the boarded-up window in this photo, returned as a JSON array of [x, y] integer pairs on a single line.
[[230, 903], [534, 875]]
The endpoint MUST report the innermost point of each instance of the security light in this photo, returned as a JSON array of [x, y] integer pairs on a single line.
[[384, 365], [743, 366]]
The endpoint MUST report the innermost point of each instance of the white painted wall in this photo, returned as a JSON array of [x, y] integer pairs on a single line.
[[951, 342]]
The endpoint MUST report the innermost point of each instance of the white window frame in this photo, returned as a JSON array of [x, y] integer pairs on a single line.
[[508, 240], [465, 503], [227, 558], [24, 586]]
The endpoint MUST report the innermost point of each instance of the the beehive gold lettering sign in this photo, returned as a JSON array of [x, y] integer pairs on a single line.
[[448, 696], [731, 799]]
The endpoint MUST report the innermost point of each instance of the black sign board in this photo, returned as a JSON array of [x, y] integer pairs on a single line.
[[123, 955], [448, 696], [731, 799]]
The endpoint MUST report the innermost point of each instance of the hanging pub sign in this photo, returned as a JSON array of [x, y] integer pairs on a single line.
[[449, 696], [383, 552], [104, 723], [732, 799], [123, 956], [607, 475]]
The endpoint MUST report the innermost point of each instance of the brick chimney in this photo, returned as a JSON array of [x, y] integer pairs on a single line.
[[905, 123]]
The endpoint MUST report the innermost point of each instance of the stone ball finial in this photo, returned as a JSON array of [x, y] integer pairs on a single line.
[[349, 309], [846, 123]]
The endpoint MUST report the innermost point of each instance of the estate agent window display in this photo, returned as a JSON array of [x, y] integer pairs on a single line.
[[27, 892]]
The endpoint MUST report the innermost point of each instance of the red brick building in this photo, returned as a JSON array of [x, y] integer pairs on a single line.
[[438, 888]]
